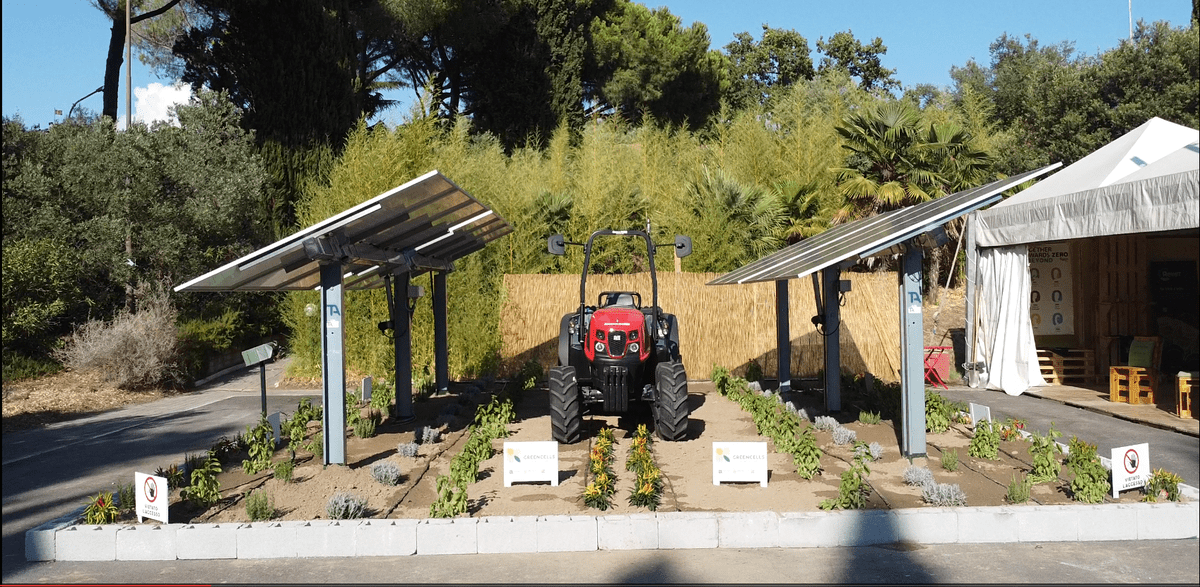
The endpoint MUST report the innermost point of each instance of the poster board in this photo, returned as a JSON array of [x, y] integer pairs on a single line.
[[1051, 301]]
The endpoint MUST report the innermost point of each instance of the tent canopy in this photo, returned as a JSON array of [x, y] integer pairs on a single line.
[[1145, 181]]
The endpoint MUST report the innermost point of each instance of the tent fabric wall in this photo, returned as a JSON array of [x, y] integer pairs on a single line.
[[1004, 340]]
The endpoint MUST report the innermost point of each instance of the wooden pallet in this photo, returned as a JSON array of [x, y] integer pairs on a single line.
[[1075, 366]]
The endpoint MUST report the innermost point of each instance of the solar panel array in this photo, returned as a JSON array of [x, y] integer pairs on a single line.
[[872, 236], [426, 223]]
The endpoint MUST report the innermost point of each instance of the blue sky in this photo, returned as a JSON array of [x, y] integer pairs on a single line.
[[54, 50]]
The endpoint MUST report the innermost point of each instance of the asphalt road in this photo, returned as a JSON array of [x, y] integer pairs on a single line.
[[50, 472]]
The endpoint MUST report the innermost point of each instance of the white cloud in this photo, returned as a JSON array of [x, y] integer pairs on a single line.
[[152, 103]]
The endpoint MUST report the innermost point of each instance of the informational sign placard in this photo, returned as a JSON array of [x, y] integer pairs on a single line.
[[1130, 467], [530, 461], [980, 413], [151, 497], [1051, 308], [740, 461]]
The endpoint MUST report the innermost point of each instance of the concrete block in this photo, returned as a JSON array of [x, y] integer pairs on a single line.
[[1049, 523], [39, 541], [206, 541], [864, 527], [807, 529], [687, 530], [507, 534], [987, 524], [1108, 522], [385, 538], [266, 540], [1160, 521], [86, 543], [147, 543], [627, 532], [326, 538], [748, 530], [447, 536], [925, 525], [566, 533]]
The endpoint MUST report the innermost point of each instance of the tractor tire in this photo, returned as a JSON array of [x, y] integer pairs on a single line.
[[564, 341], [670, 404], [566, 405]]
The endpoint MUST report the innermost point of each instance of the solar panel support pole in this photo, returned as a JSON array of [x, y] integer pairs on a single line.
[[333, 363], [783, 335], [402, 327], [440, 351], [833, 356], [912, 347]]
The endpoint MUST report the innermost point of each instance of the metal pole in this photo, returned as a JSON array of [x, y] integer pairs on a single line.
[[833, 352], [783, 335], [262, 380], [333, 364], [440, 350], [912, 370], [402, 325], [970, 368]]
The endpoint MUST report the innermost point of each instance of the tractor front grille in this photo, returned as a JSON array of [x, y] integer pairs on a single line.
[[614, 382]]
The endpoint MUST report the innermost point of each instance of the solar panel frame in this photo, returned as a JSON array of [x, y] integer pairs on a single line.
[[429, 215], [870, 236]]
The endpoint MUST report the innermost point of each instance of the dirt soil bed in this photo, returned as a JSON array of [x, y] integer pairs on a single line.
[[687, 466]]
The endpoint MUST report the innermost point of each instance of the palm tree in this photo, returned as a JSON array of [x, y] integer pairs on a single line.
[[735, 223]]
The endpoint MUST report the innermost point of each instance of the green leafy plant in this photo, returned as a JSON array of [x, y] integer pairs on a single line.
[[451, 500], [647, 485], [225, 448], [346, 506], [1018, 490], [805, 453], [598, 493], [937, 412], [1011, 430], [174, 476], [317, 446], [1090, 482], [853, 489], [1043, 450], [1162, 484], [950, 460], [364, 428], [125, 497], [205, 490], [754, 371], [100, 509], [260, 506], [869, 417], [352, 415], [985, 443], [261, 446], [284, 470]]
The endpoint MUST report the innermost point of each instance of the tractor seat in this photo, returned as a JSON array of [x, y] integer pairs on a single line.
[[621, 299]]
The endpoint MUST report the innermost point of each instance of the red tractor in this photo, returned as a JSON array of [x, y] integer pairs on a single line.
[[618, 353]]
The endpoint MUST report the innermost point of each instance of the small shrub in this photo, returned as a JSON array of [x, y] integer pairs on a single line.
[[284, 470], [805, 454], [174, 476], [1162, 482], [853, 489], [843, 436], [427, 435], [754, 371], [261, 447], [950, 460], [826, 423], [192, 462], [407, 449], [364, 428], [125, 497], [985, 443], [937, 412], [1090, 483], [943, 494], [386, 472], [345, 506], [869, 417], [317, 447], [100, 509], [260, 506], [1011, 430], [918, 476], [1043, 449], [205, 490], [1018, 490]]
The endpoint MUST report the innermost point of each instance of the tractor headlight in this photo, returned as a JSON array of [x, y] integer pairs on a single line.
[[599, 347], [599, 335], [633, 347]]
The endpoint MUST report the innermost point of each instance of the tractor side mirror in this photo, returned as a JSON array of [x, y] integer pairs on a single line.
[[683, 246], [556, 245]]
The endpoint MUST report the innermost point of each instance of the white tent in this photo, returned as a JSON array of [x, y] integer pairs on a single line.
[[1145, 181]]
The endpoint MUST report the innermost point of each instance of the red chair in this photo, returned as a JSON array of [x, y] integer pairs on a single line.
[[937, 362]]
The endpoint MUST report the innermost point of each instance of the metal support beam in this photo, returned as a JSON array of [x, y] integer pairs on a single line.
[[402, 327], [783, 335], [833, 355], [912, 353], [970, 368], [440, 351], [333, 364]]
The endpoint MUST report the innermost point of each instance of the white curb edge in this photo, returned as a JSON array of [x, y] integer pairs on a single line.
[[62, 539]]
